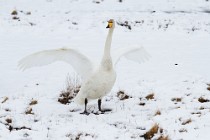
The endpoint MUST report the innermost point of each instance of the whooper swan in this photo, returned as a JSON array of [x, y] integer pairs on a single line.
[[97, 82]]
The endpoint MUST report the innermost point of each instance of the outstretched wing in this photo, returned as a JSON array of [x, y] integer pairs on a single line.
[[78, 61], [137, 54]]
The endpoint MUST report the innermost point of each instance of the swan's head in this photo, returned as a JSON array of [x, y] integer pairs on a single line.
[[111, 23]]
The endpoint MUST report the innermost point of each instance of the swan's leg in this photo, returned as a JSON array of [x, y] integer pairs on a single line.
[[99, 105], [85, 111]]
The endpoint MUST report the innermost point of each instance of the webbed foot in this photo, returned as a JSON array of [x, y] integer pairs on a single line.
[[85, 113]]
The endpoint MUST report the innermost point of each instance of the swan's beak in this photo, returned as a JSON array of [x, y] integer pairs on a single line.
[[109, 25]]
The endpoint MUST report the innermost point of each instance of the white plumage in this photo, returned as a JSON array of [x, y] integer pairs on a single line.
[[97, 82], [77, 60]]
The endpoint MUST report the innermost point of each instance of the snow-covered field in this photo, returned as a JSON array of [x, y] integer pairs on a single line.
[[176, 33]]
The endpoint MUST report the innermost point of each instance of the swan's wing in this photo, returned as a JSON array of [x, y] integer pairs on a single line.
[[137, 54], [79, 62]]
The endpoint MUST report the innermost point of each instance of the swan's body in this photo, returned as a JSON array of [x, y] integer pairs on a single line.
[[98, 83]]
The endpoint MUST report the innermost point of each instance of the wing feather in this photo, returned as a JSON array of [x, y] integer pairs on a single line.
[[78, 61], [137, 54]]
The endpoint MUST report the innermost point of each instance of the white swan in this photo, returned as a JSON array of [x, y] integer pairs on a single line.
[[96, 82]]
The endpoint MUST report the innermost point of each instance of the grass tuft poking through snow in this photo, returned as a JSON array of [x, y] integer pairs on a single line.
[[29, 110], [182, 130], [150, 134], [203, 100], [14, 12], [4, 100], [33, 102], [163, 138], [80, 136], [150, 96], [124, 24], [122, 95], [155, 133], [73, 85], [176, 99], [8, 120], [157, 113], [186, 121]]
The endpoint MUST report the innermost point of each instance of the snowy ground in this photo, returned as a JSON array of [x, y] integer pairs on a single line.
[[176, 33]]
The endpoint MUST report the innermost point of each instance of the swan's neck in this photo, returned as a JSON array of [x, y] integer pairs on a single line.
[[107, 60]]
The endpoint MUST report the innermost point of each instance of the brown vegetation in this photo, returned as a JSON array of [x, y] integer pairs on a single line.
[[186, 121], [183, 130], [142, 104], [163, 138], [157, 113], [149, 134], [150, 96], [8, 120], [202, 100], [5, 99], [125, 24], [29, 111], [176, 99], [33, 102], [122, 96], [14, 12], [73, 86]]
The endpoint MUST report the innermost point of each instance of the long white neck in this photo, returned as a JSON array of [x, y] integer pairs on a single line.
[[107, 60]]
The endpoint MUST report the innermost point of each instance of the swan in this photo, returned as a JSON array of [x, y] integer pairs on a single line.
[[96, 81]]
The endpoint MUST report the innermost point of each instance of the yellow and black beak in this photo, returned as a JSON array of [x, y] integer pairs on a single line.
[[109, 24]]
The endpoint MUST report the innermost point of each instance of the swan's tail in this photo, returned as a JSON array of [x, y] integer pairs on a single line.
[[79, 99]]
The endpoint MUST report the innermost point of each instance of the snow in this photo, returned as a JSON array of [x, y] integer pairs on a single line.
[[175, 33]]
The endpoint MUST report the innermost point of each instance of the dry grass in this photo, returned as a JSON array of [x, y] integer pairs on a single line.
[[150, 96], [149, 134], [182, 130], [5, 99], [125, 24], [154, 131], [202, 108], [14, 12], [196, 113], [16, 18], [157, 113], [202, 100], [8, 120], [32, 24], [29, 111], [80, 136], [97, 2], [142, 104], [11, 128], [28, 13], [186, 121], [73, 85], [33, 102], [7, 110], [176, 99], [163, 138], [122, 96]]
